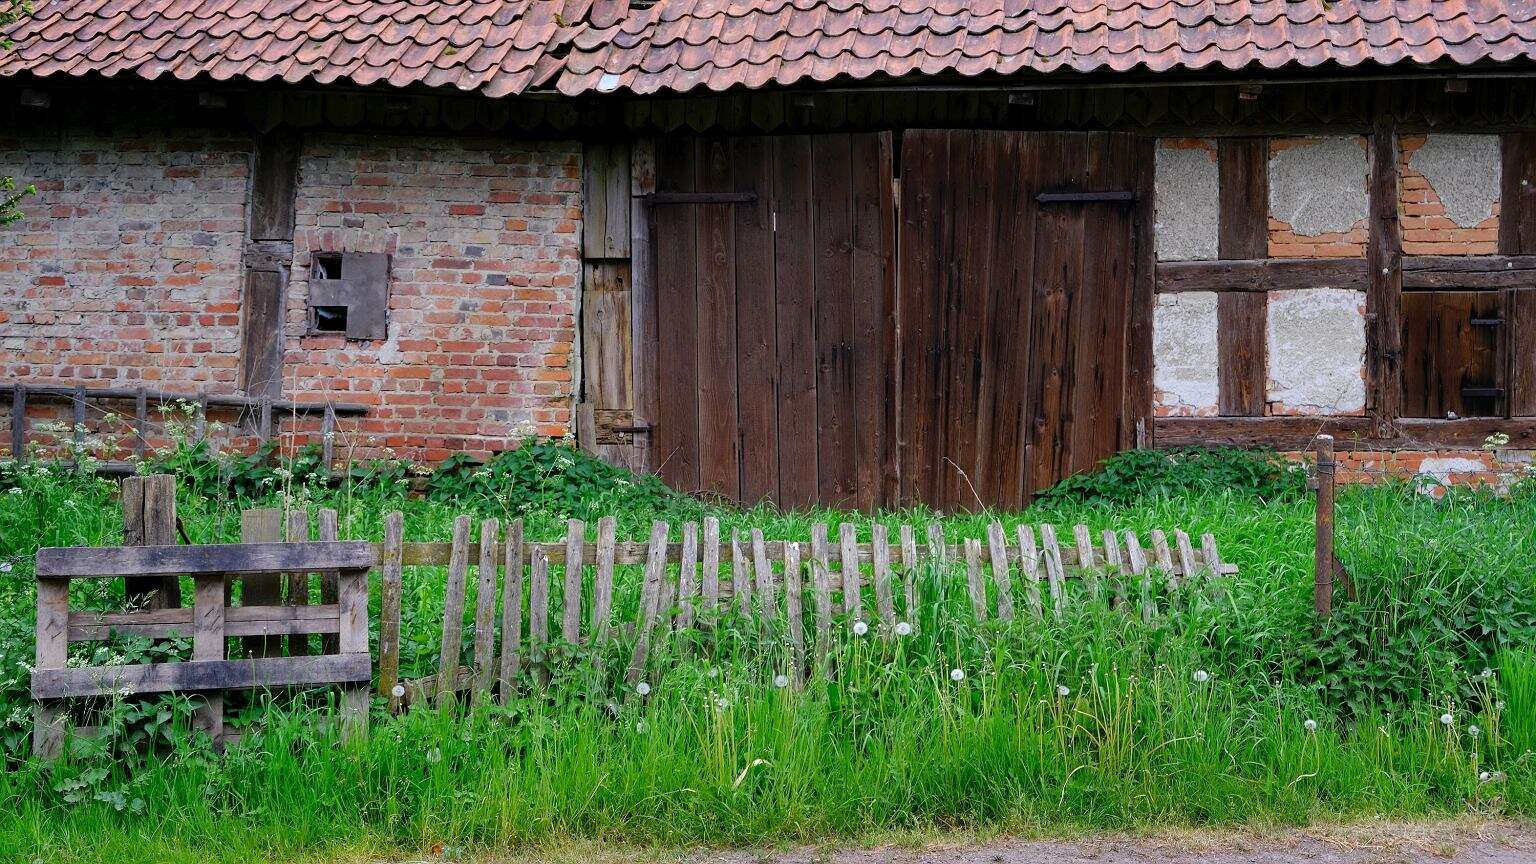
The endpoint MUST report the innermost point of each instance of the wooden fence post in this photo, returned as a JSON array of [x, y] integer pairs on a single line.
[[389, 609], [1322, 586], [149, 519]]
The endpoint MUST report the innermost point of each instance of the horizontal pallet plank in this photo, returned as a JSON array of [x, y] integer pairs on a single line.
[[229, 558], [238, 621], [202, 675]]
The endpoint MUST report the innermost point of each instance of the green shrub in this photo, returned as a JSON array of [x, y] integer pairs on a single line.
[[551, 478], [1134, 475]]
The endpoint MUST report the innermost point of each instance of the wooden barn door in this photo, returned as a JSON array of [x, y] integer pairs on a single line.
[[1017, 260], [774, 302]]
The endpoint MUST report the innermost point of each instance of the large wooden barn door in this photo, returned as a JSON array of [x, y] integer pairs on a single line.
[[774, 303], [1017, 266]]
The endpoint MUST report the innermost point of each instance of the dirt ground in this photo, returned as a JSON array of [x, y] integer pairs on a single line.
[[1465, 842]]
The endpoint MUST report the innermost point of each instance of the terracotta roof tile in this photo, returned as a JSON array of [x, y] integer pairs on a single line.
[[678, 45], [499, 46]]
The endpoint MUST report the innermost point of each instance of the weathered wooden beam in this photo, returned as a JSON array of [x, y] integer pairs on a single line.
[[1468, 272], [234, 558], [1261, 274], [202, 675], [1384, 296], [238, 621], [1242, 348], [1350, 433]]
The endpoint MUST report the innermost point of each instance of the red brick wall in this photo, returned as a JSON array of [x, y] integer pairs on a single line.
[[485, 278], [127, 272]]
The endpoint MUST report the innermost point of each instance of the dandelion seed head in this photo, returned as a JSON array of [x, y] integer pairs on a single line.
[[1309, 725], [860, 628], [957, 674], [1447, 719], [781, 681], [903, 628], [1202, 676], [643, 689], [1474, 731], [721, 704], [1063, 690], [1486, 673], [1485, 777], [397, 691]]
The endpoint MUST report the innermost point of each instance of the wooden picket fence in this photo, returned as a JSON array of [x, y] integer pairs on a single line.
[[689, 584]]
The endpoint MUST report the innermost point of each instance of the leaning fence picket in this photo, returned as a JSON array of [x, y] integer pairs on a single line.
[[688, 576], [741, 582], [512, 610], [453, 612], [793, 595], [880, 555], [1055, 572], [1086, 562], [848, 542], [389, 609], [1116, 566], [1212, 565], [821, 577], [767, 607], [1164, 557], [538, 613], [909, 572], [1029, 570], [485, 607], [650, 592], [710, 581], [1137, 556], [1186, 556], [997, 547]]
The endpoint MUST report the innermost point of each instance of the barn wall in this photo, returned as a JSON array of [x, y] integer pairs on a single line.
[[127, 271]]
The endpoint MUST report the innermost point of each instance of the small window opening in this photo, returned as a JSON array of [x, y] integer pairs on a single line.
[[330, 319], [327, 266]]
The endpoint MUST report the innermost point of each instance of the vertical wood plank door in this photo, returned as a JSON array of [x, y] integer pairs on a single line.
[[1014, 339], [775, 318]]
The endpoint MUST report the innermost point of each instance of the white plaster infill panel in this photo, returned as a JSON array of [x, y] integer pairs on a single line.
[[1319, 186], [1188, 201], [1316, 352], [1464, 171], [1184, 354]]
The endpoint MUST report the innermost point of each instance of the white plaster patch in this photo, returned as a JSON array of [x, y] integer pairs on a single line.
[[1316, 351], [1464, 171], [1184, 353], [1187, 203], [1442, 467], [1318, 186]]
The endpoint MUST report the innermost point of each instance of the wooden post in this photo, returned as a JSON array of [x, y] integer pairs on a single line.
[[18, 422], [326, 519], [485, 666], [511, 610], [298, 581], [149, 519], [208, 644], [262, 525], [1322, 567], [453, 613], [389, 609], [52, 638], [352, 606]]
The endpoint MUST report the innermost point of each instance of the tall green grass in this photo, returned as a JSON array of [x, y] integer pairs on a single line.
[[1096, 721]]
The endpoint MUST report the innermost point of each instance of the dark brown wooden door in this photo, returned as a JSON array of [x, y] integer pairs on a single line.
[[1014, 310], [774, 318]]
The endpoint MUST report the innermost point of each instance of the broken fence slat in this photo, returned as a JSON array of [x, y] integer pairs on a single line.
[[848, 541], [650, 594], [909, 573], [538, 614], [688, 576], [1086, 561], [1164, 557], [1055, 572], [762, 569], [1214, 566], [880, 551], [974, 585], [1029, 570], [821, 577], [570, 602], [710, 580], [512, 611], [485, 607], [1116, 564], [1137, 557], [997, 548], [741, 582], [390, 586], [793, 596], [453, 609], [602, 585]]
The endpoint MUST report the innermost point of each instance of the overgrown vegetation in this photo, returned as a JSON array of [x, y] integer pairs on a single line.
[[1417, 699]]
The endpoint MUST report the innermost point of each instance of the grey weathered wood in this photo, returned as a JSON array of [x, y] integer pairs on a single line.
[[880, 551], [688, 576], [1086, 560], [602, 585], [1187, 562], [297, 591], [848, 541], [741, 580], [762, 569], [793, 597], [1137, 557], [236, 559], [207, 646], [485, 665], [512, 610], [538, 612], [650, 595], [18, 422], [821, 578], [938, 548], [974, 586], [149, 519], [570, 603], [1213, 565], [51, 651], [1055, 571], [453, 609], [909, 573], [261, 525], [997, 547], [1029, 569], [325, 520], [203, 675], [238, 621], [1116, 564], [352, 639], [390, 587], [1164, 557], [710, 580]]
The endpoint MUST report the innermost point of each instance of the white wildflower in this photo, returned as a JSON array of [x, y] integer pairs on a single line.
[[1498, 776], [903, 628], [1486, 674], [780, 681], [1474, 730], [643, 689], [1202, 676], [1447, 719], [1485, 777], [957, 675], [1063, 690], [860, 628], [397, 691], [721, 704], [1309, 725]]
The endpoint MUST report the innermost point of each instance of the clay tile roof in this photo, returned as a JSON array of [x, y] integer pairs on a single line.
[[499, 47], [681, 45], [502, 47]]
